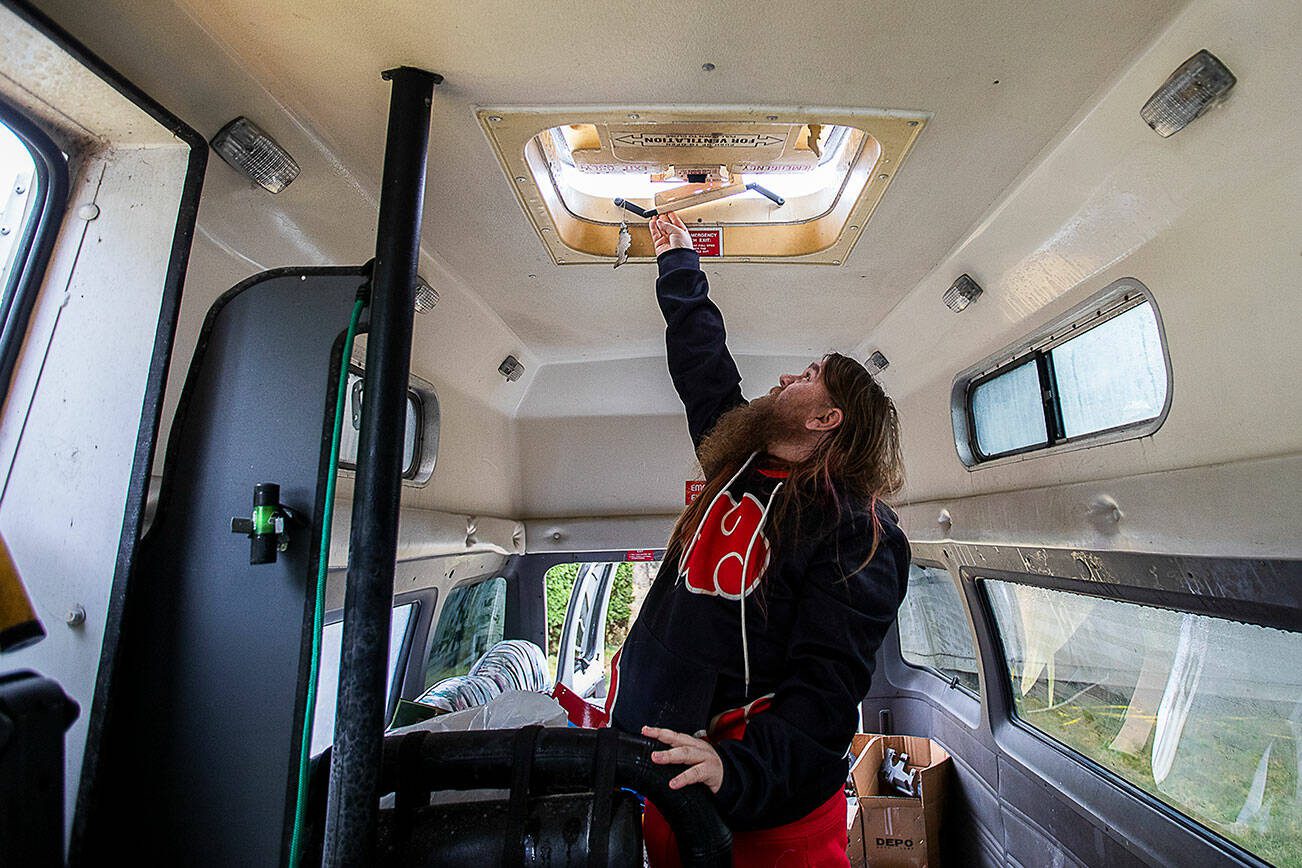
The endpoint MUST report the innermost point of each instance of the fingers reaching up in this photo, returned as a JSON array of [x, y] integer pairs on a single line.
[[669, 233]]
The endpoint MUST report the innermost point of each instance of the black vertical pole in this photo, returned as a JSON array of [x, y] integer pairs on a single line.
[[359, 720]]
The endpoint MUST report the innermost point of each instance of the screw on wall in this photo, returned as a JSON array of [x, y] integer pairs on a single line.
[[1105, 512]]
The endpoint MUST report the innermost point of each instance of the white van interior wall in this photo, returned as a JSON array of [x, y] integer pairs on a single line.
[[1200, 218], [444, 573], [425, 533], [1207, 220], [609, 438], [322, 99], [73, 409], [326, 217]]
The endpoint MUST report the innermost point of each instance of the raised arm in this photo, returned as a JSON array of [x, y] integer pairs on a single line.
[[700, 365]]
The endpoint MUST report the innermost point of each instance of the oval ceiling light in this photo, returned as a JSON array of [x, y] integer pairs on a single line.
[[1197, 85], [246, 147]]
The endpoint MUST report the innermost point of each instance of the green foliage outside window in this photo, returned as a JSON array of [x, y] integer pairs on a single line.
[[560, 584]]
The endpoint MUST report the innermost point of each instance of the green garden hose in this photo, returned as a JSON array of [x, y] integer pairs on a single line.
[[323, 563]]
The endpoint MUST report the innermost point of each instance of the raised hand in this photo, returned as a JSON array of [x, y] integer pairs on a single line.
[[669, 233]]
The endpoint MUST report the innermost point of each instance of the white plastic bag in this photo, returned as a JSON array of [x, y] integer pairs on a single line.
[[510, 710]]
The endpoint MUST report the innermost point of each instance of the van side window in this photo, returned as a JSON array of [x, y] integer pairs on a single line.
[[1201, 712], [1097, 376], [934, 630], [33, 185], [327, 681], [473, 620], [411, 442]]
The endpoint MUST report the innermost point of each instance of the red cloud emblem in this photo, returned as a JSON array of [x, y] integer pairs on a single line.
[[718, 551]]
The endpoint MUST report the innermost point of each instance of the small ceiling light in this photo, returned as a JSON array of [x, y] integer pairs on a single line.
[[963, 292], [511, 368], [426, 296], [1198, 84], [244, 145], [878, 362]]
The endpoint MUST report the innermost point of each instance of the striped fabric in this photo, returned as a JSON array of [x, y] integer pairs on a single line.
[[516, 664], [460, 692], [512, 664]]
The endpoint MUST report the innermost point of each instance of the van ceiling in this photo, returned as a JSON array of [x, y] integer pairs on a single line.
[[1002, 78]]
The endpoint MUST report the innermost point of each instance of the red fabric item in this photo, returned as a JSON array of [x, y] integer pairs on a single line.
[[817, 840], [732, 723], [579, 710]]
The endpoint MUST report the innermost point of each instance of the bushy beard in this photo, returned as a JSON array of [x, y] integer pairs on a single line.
[[752, 427]]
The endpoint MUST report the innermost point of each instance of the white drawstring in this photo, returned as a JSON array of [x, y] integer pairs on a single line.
[[745, 563]]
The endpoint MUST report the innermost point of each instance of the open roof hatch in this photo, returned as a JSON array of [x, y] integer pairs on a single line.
[[761, 185]]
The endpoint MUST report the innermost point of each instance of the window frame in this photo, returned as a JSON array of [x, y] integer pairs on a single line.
[[1117, 298], [33, 249], [419, 601], [420, 395], [1002, 704], [950, 681], [596, 626]]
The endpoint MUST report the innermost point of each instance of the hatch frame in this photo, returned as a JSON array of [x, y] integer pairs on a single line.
[[826, 239]]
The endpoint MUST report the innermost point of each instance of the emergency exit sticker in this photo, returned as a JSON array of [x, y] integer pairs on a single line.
[[641, 556], [708, 240], [694, 488]]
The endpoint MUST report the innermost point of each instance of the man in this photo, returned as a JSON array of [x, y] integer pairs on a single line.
[[755, 644]]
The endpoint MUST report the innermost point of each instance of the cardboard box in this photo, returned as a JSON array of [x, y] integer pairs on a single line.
[[893, 831]]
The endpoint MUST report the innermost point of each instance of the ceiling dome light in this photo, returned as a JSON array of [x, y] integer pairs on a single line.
[[511, 368], [961, 293], [1197, 85], [426, 296], [245, 146]]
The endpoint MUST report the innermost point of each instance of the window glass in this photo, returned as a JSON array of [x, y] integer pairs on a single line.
[[1111, 375], [934, 630], [351, 434], [1008, 412], [1102, 372], [1201, 712], [18, 203], [327, 680], [473, 620]]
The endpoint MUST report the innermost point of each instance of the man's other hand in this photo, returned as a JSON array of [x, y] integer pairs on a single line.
[[702, 760], [669, 233]]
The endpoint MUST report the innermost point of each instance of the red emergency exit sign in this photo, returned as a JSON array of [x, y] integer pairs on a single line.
[[694, 488], [708, 240]]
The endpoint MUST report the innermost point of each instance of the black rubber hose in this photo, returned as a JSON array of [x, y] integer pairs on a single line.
[[563, 763]]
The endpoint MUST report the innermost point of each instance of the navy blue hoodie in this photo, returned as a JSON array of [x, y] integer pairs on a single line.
[[793, 660]]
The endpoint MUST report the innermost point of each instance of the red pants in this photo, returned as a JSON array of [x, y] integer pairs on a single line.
[[816, 840]]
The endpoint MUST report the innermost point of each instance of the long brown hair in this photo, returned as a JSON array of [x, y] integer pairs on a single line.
[[856, 462]]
